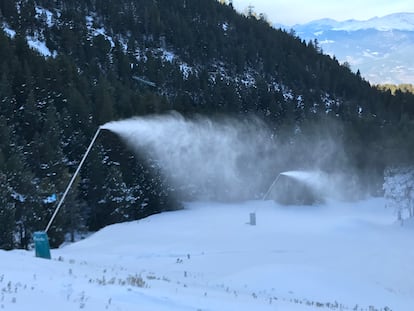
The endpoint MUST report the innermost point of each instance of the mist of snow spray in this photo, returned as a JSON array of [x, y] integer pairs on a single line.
[[221, 158]]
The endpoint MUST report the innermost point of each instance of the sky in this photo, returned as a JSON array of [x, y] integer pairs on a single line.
[[291, 12]]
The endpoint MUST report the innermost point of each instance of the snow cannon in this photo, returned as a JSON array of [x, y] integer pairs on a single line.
[[40, 238], [41, 242], [295, 188]]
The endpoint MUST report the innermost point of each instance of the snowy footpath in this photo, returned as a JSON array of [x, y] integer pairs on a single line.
[[334, 256]]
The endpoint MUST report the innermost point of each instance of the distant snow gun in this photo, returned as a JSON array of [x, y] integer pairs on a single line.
[[40, 238], [304, 187], [265, 196]]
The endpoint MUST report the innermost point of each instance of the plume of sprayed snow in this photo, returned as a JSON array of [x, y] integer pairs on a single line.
[[338, 186], [229, 159], [222, 159]]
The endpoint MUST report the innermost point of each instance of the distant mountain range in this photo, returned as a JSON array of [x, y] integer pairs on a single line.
[[381, 47]]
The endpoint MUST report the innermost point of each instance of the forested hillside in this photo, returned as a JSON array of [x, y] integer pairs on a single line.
[[68, 67]]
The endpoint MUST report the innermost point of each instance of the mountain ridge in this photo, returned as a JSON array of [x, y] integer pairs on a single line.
[[396, 21], [379, 47]]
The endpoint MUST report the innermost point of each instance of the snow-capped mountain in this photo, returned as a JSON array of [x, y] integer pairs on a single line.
[[396, 21], [381, 47]]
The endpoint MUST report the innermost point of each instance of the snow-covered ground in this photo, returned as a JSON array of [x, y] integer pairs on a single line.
[[335, 256]]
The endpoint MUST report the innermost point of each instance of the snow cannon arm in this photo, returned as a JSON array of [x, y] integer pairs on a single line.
[[72, 180]]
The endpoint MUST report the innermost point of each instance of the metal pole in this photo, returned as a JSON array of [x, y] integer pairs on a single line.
[[271, 187], [72, 180]]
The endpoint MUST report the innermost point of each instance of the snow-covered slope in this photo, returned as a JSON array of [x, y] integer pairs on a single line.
[[338, 256]]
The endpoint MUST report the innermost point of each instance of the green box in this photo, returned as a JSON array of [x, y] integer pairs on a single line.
[[41, 242]]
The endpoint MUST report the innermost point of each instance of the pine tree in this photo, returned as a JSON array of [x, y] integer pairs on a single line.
[[103, 102], [7, 215], [8, 10], [25, 198], [92, 186], [399, 191], [119, 199]]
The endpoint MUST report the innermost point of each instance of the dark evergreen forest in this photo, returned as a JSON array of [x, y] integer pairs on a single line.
[[116, 59]]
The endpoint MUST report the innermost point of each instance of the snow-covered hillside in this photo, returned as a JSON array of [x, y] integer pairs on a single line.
[[337, 256]]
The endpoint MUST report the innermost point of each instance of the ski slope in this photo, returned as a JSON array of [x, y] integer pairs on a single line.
[[335, 256]]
